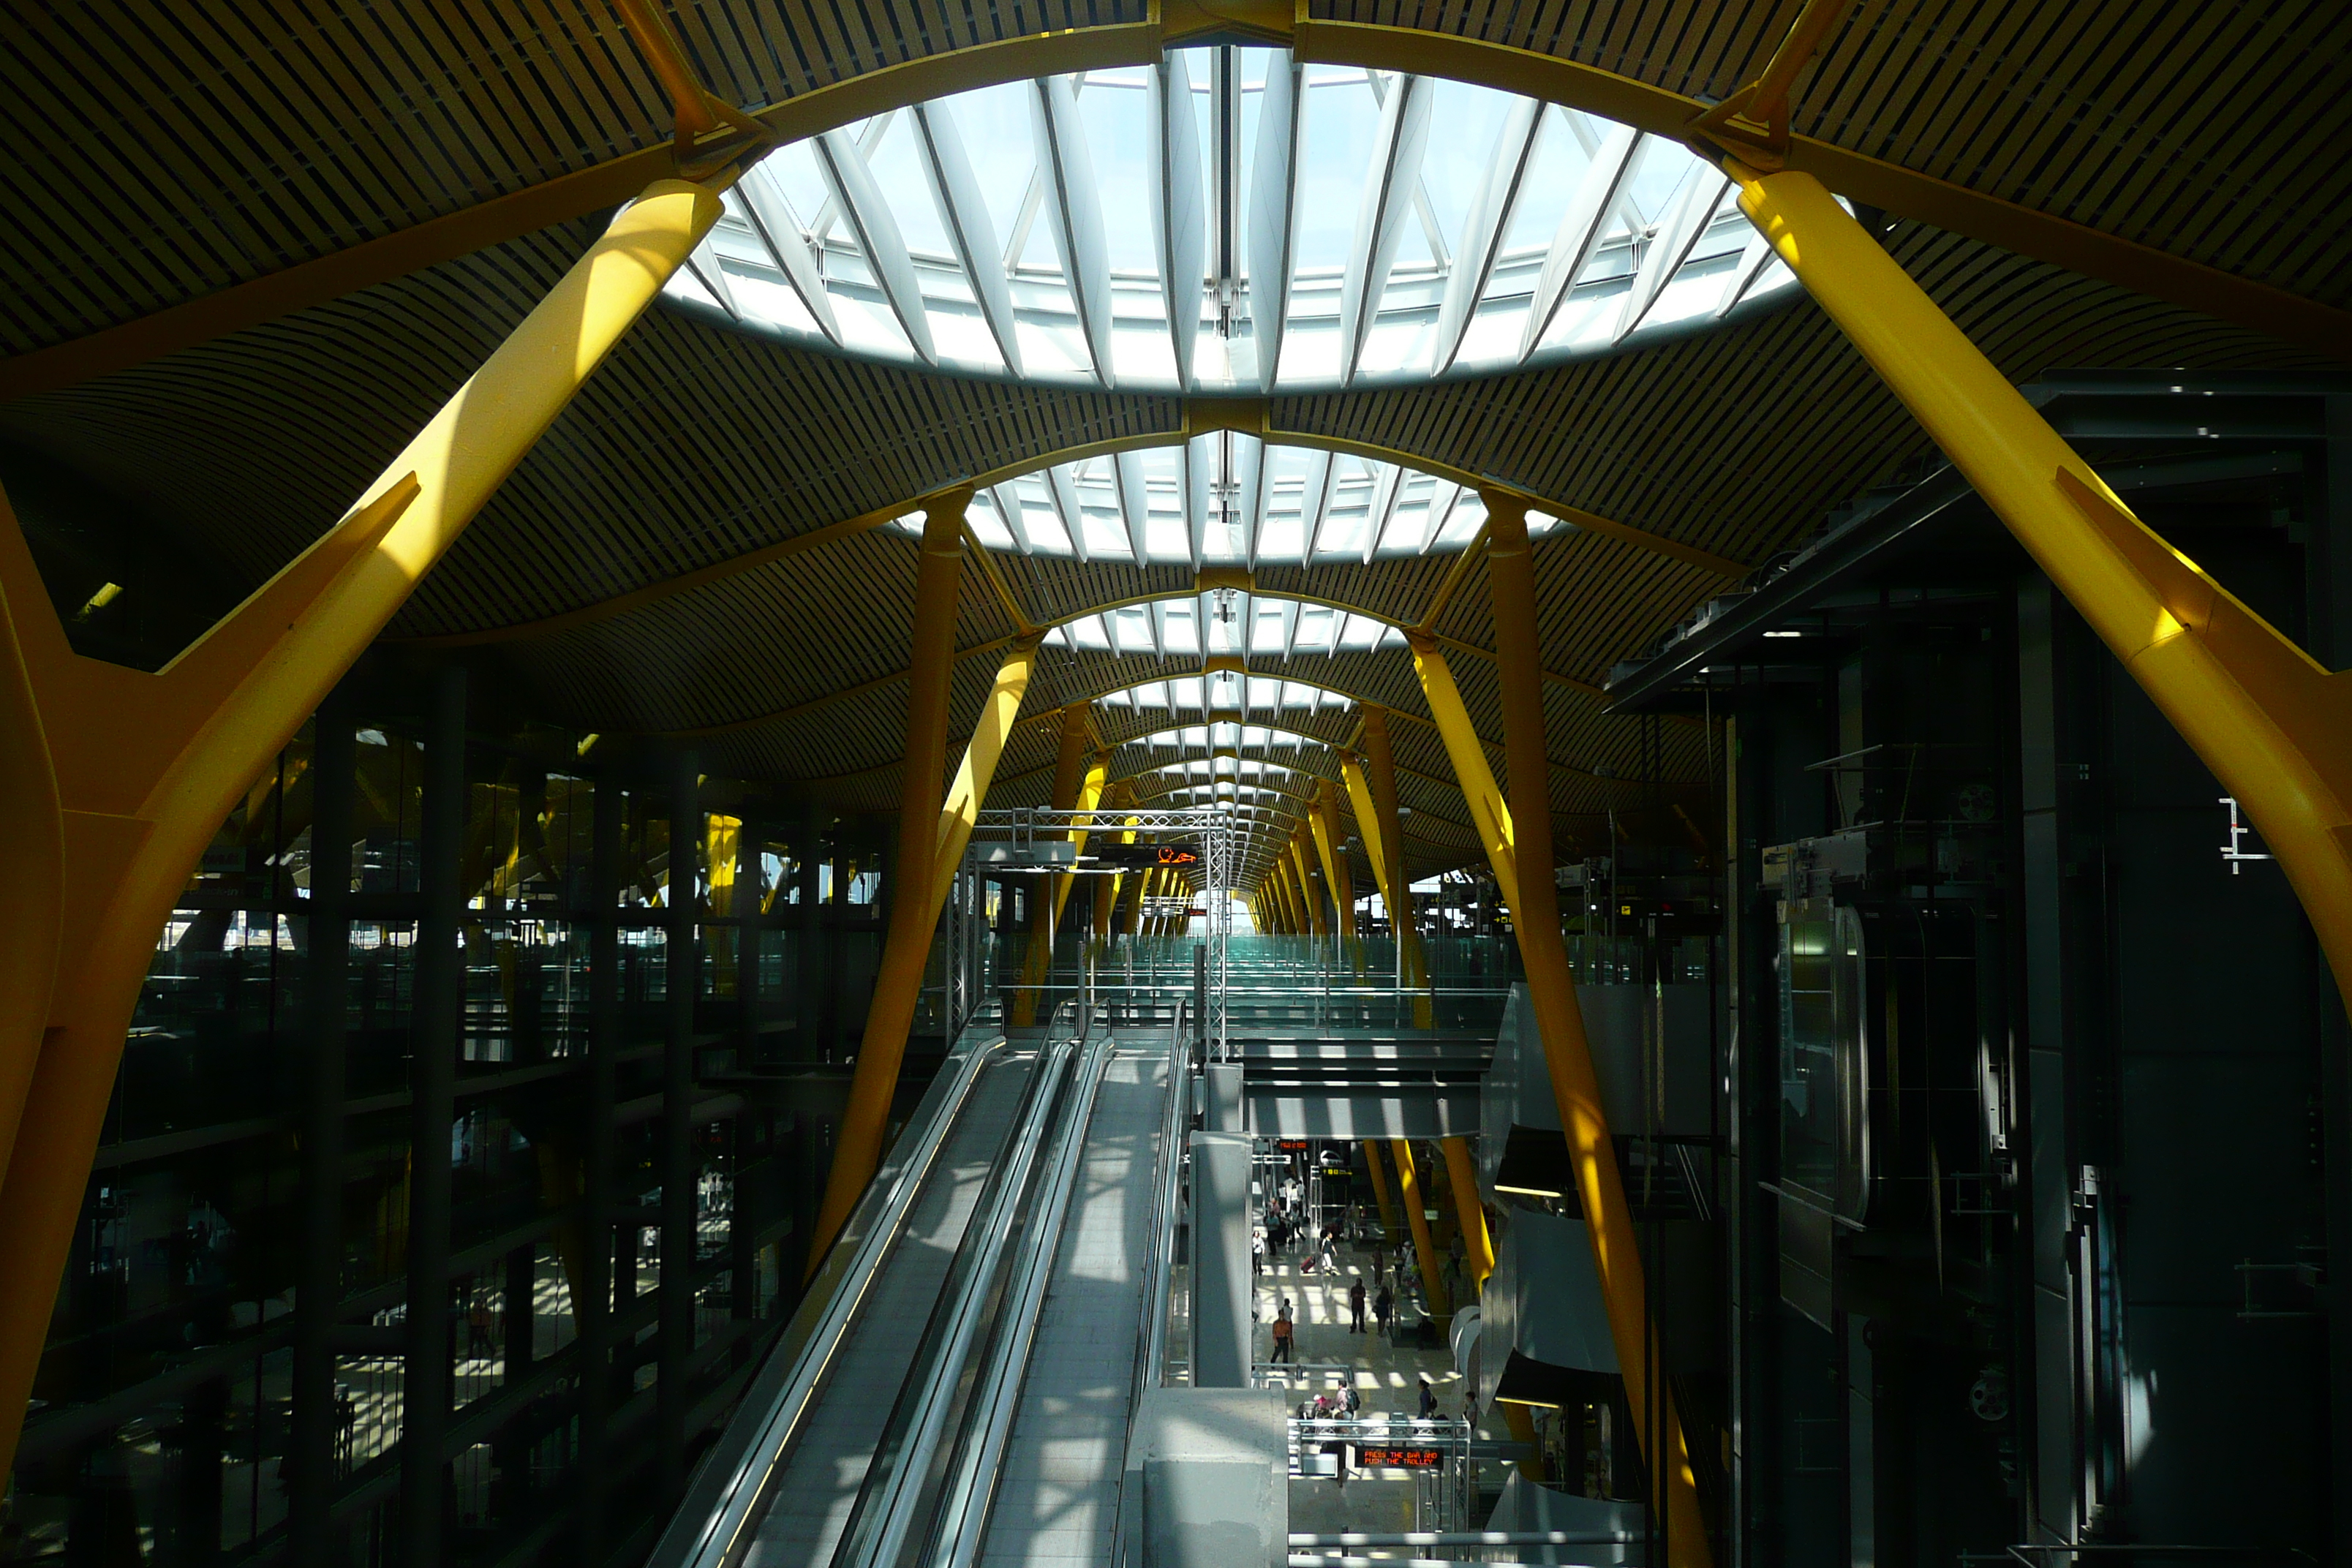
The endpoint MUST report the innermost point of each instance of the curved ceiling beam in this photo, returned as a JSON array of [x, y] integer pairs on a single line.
[[1195, 417], [564, 199], [1904, 193]]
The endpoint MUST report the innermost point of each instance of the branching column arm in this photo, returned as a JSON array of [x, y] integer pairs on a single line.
[[914, 910], [145, 766]]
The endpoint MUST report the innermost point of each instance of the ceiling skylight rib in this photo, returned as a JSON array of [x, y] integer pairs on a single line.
[[1134, 496], [1694, 205], [963, 211], [1274, 212], [1387, 485], [1490, 219], [1063, 493], [770, 215], [1754, 256], [1613, 164], [1200, 500], [1381, 215], [1249, 487], [1074, 217], [703, 262], [1180, 216], [1228, 220], [878, 237]]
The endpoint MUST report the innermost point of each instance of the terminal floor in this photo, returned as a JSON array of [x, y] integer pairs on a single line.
[[1385, 1374]]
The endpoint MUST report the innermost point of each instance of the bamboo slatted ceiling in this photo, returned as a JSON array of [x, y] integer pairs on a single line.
[[194, 155]]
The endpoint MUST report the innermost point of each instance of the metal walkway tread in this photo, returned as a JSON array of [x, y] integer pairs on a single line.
[[1057, 1494], [811, 1504]]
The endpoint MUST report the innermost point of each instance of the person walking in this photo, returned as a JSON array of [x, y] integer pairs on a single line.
[[1383, 1305], [1356, 1307], [1428, 1400], [1282, 1331]]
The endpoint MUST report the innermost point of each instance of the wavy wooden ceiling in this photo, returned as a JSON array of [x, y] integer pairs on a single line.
[[160, 153]]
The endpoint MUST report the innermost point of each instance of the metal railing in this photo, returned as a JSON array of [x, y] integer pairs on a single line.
[[1160, 1270], [730, 1491], [888, 1506], [988, 1421]]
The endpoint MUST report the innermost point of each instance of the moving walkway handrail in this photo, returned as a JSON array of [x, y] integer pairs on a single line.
[[903, 1462], [988, 1421], [729, 1491]]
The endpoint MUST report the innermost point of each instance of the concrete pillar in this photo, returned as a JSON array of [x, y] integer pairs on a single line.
[[1214, 1469], [1222, 1335], [1225, 1111]]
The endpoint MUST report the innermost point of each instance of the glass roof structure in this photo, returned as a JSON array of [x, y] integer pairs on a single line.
[[1225, 621], [1229, 221], [1227, 736], [1228, 499], [1228, 692]]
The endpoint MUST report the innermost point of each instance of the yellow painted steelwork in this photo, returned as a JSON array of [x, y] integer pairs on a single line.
[[1069, 774], [1316, 920], [1322, 822], [1517, 834], [914, 912], [118, 778], [1416, 1215], [1477, 1247], [1380, 1188], [2273, 723], [970, 791]]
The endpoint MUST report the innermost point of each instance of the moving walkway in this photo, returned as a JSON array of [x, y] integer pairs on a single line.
[[958, 1389]]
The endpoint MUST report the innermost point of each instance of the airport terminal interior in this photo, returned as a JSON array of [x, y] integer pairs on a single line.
[[1175, 784]]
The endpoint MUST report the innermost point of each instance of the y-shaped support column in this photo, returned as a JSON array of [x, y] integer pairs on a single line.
[[114, 780]]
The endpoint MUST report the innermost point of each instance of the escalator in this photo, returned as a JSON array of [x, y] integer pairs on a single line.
[[958, 1388]]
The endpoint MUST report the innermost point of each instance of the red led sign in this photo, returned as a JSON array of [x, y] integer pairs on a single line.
[[1400, 1459]]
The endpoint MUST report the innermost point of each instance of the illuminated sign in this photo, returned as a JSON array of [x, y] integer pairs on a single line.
[[1404, 1457], [1142, 857]]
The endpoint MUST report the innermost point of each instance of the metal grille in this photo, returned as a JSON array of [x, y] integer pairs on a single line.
[[1023, 832]]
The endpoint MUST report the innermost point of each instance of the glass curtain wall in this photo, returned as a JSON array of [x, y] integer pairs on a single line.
[[315, 1138]]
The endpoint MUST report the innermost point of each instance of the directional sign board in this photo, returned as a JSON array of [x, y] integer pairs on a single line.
[[1039, 852], [1402, 1456], [1143, 857]]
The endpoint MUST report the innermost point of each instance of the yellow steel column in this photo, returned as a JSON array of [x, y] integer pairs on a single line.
[[1292, 894], [1417, 1216], [1381, 1188], [1316, 919], [2274, 724], [1335, 865], [965, 797], [1462, 1175], [914, 910], [136, 771], [1089, 795], [1069, 767], [1518, 838], [1397, 892]]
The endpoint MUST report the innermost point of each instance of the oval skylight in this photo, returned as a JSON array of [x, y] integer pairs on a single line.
[[1228, 499], [1229, 221]]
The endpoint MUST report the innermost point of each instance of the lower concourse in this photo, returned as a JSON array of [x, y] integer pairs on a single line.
[[752, 755]]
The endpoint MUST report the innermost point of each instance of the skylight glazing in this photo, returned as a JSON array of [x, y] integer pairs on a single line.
[[1226, 498], [1229, 221], [1240, 738], [1225, 621], [1227, 691]]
